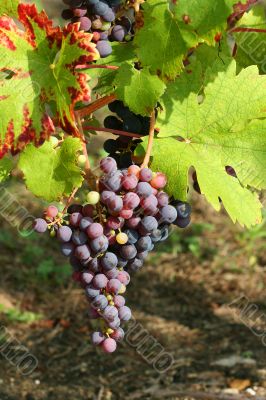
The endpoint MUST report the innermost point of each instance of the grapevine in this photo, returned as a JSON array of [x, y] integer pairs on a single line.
[[172, 78]]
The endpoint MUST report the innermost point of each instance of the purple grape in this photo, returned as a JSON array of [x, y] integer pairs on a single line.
[[91, 291], [118, 33], [114, 324], [156, 235], [109, 261], [113, 181], [75, 219], [100, 281], [82, 252], [124, 313], [145, 175], [121, 262], [112, 273], [183, 209], [119, 301], [133, 222], [144, 189], [104, 48], [67, 249], [79, 12], [85, 24], [108, 165], [99, 245], [182, 222], [97, 338], [114, 285], [100, 8], [95, 230], [168, 214], [109, 16], [87, 277], [129, 182], [142, 255], [79, 238], [118, 335], [132, 235], [110, 313], [109, 345], [64, 233], [93, 314], [149, 223], [114, 222], [135, 264], [99, 302], [104, 36], [115, 204], [163, 199], [128, 251], [40, 225], [88, 210], [106, 195], [144, 243], [131, 200], [94, 265], [123, 277], [85, 223]]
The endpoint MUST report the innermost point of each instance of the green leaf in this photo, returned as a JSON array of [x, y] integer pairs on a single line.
[[52, 173], [9, 7], [5, 168], [251, 46], [42, 60], [122, 52], [160, 43], [168, 33], [205, 18], [226, 129], [138, 89]]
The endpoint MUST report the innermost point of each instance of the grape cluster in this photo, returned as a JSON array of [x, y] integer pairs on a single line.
[[99, 18], [126, 120], [109, 238]]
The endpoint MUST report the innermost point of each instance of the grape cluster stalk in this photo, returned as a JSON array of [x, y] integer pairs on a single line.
[[108, 238]]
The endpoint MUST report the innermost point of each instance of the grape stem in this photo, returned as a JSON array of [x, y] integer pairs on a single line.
[[115, 131], [247, 30], [96, 105], [85, 66], [69, 200], [150, 142]]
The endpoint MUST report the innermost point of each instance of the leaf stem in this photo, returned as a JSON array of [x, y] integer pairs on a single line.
[[85, 66], [150, 142], [115, 131], [96, 105]]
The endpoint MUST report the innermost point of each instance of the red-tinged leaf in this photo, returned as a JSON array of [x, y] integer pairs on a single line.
[[40, 62]]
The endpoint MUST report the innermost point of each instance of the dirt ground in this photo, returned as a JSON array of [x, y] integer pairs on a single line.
[[180, 297]]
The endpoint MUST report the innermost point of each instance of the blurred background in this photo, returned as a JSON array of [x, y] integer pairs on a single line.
[[181, 298]]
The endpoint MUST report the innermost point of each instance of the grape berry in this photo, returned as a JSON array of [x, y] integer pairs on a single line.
[[109, 238]]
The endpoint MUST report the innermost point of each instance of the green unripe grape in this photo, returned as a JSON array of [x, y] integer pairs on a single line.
[[54, 141], [93, 198], [53, 233], [106, 26], [81, 160]]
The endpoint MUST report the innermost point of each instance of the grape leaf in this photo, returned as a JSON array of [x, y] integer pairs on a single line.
[[138, 89], [5, 168], [52, 173], [226, 129], [168, 33], [122, 52], [251, 46], [205, 18], [42, 60], [9, 7], [160, 43]]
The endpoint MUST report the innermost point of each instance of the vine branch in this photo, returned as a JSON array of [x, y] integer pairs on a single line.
[[150, 142], [115, 131], [96, 105]]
